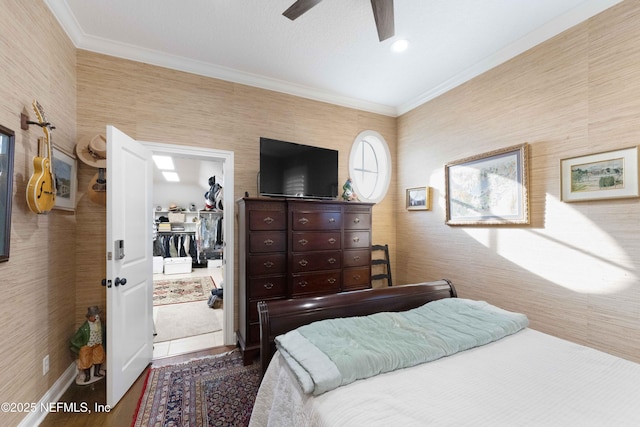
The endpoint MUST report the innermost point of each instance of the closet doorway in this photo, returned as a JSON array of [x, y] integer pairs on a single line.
[[211, 247]]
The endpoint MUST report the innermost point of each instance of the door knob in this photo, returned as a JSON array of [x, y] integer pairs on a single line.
[[120, 281]]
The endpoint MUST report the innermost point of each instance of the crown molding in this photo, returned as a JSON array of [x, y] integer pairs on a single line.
[[570, 19], [81, 40]]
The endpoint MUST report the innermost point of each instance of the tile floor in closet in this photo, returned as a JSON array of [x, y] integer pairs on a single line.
[[194, 343]]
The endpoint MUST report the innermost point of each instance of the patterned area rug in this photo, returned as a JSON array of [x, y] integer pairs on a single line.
[[212, 391], [182, 290]]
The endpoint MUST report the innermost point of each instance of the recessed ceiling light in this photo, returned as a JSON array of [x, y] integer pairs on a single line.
[[171, 176], [400, 45], [164, 162]]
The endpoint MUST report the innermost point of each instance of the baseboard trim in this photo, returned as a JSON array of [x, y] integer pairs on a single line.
[[52, 395]]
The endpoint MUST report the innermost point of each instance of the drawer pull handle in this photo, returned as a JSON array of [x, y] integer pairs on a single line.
[[303, 262], [303, 220], [268, 220], [356, 220], [332, 219], [269, 264], [303, 242], [268, 285], [332, 240], [356, 277], [356, 258], [268, 242], [303, 283], [331, 280], [331, 260], [356, 239]]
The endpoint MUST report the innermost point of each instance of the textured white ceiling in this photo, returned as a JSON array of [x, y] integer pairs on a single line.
[[332, 52]]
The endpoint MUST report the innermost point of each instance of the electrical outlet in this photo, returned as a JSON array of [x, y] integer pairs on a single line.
[[45, 365]]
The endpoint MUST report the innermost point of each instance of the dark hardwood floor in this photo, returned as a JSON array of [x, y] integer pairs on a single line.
[[122, 414]]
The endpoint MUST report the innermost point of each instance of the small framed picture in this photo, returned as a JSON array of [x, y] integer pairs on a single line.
[[610, 175], [418, 198], [65, 170]]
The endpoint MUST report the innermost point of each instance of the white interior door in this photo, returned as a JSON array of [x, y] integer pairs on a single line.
[[129, 262]]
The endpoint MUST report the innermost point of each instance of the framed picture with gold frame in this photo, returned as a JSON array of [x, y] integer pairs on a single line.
[[489, 188], [419, 199]]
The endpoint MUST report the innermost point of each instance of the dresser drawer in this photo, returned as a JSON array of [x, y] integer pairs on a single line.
[[267, 287], [357, 239], [315, 241], [267, 220], [357, 221], [311, 261], [319, 220], [356, 278], [316, 283], [268, 241], [356, 258], [267, 264]]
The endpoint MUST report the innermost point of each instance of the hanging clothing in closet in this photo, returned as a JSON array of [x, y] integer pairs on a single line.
[[175, 245], [209, 235]]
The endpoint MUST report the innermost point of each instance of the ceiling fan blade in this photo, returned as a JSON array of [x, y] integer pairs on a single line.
[[299, 7], [383, 13]]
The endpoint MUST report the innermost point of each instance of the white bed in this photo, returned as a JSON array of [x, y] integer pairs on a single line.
[[525, 379]]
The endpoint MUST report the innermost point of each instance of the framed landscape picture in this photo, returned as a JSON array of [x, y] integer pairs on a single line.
[[609, 175], [489, 188], [65, 171]]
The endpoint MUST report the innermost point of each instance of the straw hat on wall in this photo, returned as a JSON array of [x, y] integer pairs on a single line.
[[93, 151]]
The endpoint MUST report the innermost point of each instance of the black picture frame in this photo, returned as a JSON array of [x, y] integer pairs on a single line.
[[7, 146]]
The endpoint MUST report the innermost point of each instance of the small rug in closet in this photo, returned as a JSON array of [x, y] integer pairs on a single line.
[[174, 291], [211, 391], [174, 321]]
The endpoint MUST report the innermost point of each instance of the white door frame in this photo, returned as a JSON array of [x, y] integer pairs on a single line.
[[228, 218]]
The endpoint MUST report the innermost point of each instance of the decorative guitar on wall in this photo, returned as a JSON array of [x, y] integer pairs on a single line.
[[41, 190]]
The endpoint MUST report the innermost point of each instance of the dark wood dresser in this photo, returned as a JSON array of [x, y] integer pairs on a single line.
[[291, 248]]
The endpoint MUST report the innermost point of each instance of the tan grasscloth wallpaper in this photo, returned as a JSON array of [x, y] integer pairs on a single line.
[[573, 271]]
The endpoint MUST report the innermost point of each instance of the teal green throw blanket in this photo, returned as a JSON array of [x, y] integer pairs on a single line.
[[330, 353]]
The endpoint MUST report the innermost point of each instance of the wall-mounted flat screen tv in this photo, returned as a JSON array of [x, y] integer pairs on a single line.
[[289, 169]]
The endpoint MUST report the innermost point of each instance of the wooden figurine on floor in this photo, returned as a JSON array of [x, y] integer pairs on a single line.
[[87, 343]]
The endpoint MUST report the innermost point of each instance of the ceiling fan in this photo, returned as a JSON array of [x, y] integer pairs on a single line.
[[382, 12]]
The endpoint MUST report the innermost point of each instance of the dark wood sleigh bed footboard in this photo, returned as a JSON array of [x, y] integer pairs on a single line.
[[281, 316]]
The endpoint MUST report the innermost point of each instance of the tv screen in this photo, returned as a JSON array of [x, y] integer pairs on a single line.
[[288, 169]]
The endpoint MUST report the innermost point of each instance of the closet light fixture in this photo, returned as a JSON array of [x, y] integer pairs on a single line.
[[163, 162], [171, 176]]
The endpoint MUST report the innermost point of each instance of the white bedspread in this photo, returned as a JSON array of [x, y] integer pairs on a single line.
[[526, 379]]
